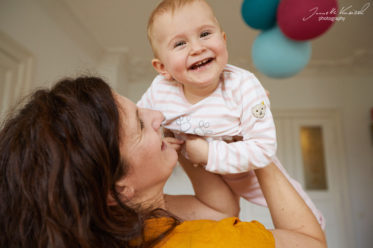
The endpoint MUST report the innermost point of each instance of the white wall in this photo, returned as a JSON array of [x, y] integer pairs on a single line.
[[55, 53], [358, 101], [352, 94], [346, 88]]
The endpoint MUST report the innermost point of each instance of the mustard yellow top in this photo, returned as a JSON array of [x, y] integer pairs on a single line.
[[229, 232]]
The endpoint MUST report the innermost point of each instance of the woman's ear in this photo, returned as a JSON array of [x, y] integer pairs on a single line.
[[110, 200], [125, 193], [160, 68]]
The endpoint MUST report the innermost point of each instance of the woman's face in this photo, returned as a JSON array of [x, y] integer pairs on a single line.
[[150, 159]]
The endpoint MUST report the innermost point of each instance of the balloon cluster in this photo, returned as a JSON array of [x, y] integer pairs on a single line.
[[282, 49]]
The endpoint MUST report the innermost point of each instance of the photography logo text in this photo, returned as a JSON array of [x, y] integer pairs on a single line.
[[335, 15]]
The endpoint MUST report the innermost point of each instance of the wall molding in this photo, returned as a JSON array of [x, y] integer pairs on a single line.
[[358, 58], [360, 62], [17, 72]]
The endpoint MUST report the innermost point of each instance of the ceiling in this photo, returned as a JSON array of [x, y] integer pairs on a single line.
[[121, 25]]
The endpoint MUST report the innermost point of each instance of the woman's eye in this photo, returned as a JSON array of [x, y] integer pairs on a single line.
[[205, 33], [179, 43], [142, 124]]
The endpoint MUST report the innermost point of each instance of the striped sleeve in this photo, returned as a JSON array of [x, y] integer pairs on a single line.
[[257, 127]]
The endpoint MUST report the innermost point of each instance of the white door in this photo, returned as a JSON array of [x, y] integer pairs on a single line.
[[325, 183]]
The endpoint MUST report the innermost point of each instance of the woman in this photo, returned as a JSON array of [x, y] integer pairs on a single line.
[[81, 166]]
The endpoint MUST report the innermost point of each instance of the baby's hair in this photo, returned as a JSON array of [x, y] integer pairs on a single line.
[[163, 7]]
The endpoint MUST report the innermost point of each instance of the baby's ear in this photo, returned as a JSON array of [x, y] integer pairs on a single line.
[[224, 36], [160, 68]]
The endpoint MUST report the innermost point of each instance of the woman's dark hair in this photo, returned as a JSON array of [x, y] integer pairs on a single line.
[[59, 160]]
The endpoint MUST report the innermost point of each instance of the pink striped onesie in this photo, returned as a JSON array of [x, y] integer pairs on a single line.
[[239, 107]]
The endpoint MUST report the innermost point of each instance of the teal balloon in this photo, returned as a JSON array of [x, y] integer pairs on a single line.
[[259, 14], [277, 56]]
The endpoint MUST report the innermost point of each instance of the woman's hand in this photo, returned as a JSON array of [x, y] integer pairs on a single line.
[[213, 198], [174, 143], [171, 140], [197, 149]]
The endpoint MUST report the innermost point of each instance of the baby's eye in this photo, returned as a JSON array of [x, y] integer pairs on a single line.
[[205, 33], [179, 43]]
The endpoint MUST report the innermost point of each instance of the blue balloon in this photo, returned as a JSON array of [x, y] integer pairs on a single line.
[[277, 56], [259, 14]]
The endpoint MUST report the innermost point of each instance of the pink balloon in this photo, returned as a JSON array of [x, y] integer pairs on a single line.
[[306, 19]]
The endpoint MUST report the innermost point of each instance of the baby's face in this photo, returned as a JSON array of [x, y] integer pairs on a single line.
[[190, 45]]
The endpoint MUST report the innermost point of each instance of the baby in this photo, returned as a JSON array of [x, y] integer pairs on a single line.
[[200, 94]]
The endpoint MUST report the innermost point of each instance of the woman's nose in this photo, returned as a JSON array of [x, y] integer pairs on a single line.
[[157, 119]]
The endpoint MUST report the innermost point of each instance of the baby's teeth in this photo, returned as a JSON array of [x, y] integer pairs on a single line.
[[200, 63]]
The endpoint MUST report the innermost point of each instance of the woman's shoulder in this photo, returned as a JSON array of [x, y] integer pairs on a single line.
[[229, 232]]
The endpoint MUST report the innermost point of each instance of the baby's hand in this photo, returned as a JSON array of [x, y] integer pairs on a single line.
[[197, 149], [173, 142]]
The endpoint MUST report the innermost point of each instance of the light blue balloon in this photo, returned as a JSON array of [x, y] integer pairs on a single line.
[[277, 56], [259, 14]]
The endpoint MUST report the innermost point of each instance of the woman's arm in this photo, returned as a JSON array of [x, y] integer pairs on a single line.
[[213, 198], [295, 225]]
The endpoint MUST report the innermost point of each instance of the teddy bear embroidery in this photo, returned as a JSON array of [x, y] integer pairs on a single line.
[[259, 110]]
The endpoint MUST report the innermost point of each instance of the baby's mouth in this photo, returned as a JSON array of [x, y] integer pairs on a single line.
[[200, 64]]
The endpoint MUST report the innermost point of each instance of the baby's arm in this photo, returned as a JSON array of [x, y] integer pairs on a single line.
[[258, 130], [213, 199]]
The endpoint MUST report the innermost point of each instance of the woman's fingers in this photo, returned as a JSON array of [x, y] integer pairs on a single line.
[[174, 143]]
